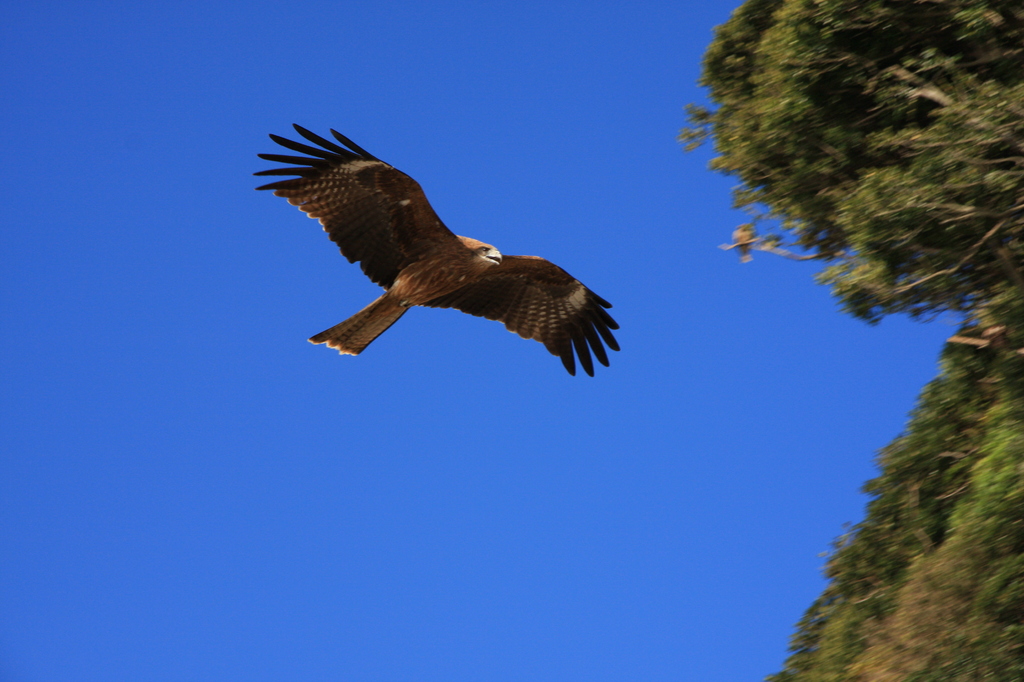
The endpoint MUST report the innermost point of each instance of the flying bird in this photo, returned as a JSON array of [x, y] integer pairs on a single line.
[[379, 216]]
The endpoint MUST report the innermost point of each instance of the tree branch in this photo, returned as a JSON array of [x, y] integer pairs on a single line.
[[950, 270], [925, 88], [761, 245], [1006, 262]]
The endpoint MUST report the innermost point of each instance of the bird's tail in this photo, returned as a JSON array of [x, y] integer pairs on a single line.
[[357, 332]]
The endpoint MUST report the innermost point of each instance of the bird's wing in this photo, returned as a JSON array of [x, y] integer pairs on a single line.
[[539, 300], [375, 213]]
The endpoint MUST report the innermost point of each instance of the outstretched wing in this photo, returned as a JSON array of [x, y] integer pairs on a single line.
[[539, 300], [375, 213]]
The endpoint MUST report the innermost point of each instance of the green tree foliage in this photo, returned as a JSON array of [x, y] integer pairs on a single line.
[[886, 138], [930, 586]]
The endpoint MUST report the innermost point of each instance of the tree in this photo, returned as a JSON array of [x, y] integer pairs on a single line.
[[886, 138]]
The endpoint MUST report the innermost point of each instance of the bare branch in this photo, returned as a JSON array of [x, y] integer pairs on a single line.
[[970, 341], [950, 270], [761, 245], [925, 88], [790, 255], [956, 492]]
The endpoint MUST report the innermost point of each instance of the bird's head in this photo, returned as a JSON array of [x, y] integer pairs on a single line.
[[485, 251]]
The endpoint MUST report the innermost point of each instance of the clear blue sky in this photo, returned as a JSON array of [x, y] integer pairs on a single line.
[[190, 490]]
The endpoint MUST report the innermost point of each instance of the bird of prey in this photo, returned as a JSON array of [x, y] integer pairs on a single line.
[[743, 237], [379, 216]]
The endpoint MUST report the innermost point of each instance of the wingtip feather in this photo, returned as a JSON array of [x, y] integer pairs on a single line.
[[352, 145], [568, 361], [584, 354], [323, 142]]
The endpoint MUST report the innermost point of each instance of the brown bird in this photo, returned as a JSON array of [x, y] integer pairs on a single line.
[[379, 216], [742, 237]]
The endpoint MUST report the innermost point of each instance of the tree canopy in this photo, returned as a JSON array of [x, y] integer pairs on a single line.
[[886, 138]]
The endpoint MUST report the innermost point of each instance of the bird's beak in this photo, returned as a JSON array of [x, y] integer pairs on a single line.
[[496, 257]]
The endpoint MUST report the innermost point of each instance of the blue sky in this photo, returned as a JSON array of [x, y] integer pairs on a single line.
[[190, 490]]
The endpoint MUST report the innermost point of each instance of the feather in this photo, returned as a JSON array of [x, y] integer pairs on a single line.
[[305, 148], [352, 145], [301, 171], [298, 160], [380, 218], [323, 142]]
